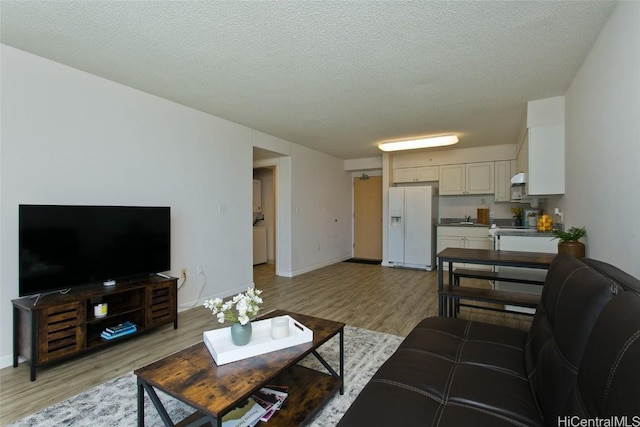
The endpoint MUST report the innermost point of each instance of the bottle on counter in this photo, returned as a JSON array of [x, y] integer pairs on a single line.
[[483, 212]]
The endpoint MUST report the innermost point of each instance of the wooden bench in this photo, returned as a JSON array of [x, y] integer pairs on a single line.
[[454, 293]]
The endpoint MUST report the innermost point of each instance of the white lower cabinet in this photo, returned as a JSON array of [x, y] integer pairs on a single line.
[[469, 237], [259, 244]]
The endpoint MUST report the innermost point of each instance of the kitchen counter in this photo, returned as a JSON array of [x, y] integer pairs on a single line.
[[525, 232], [503, 227], [458, 224]]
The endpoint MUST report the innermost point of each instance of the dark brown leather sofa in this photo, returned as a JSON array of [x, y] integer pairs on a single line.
[[580, 361]]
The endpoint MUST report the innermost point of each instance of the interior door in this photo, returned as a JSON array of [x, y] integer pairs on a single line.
[[367, 217]]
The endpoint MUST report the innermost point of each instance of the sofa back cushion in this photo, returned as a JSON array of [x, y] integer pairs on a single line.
[[573, 297], [609, 376], [626, 281]]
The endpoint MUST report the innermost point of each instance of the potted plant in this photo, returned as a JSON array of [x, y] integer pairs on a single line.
[[239, 311], [569, 241], [517, 214]]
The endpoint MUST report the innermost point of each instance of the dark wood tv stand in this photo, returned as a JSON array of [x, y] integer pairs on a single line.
[[60, 326]]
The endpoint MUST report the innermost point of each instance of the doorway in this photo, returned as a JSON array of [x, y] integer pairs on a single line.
[[264, 218], [367, 217]]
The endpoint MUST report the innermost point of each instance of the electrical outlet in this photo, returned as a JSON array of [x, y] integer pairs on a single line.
[[492, 214], [200, 269], [183, 273]]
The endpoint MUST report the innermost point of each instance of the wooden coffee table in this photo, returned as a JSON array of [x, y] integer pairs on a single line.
[[192, 376]]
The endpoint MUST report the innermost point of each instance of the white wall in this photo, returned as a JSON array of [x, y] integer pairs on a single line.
[[68, 137], [313, 206], [603, 143], [321, 201]]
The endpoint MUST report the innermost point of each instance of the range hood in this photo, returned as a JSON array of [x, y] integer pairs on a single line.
[[520, 192], [519, 179]]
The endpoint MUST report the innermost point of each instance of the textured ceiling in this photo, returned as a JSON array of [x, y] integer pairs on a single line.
[[334, 76]]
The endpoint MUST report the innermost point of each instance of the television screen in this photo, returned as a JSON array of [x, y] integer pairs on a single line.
[[62, 247]]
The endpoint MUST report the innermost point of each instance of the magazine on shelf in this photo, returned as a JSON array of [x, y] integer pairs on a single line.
[[271, 398], [246, 415]]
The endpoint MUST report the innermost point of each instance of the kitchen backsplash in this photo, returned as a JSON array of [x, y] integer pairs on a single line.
[[457, 208], [462, 206]]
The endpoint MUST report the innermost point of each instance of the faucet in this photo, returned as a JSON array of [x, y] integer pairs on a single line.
[[467, 218]]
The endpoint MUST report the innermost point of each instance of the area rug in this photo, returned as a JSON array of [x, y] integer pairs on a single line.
[[114, 402]]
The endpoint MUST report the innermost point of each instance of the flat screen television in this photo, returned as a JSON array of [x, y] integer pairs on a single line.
[[63, 247]]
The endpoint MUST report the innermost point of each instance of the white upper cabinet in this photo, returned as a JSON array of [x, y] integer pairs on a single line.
[[541, 155], [452, 179], [504, 170], [480, 178], [427, 173], [469, 178], [546, 160], [419, 174]]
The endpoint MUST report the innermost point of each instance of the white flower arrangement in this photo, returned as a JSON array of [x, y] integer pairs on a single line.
[[246, 305]]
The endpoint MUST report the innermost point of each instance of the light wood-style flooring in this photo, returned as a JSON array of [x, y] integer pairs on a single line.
[[373, 297]]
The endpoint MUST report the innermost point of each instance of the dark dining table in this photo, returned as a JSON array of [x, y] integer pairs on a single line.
[[537, 260]]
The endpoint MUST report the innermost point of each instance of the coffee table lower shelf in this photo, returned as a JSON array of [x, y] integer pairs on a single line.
[[309, 390], [192, 377]]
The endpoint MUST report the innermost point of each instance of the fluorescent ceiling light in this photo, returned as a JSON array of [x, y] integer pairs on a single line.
[[427, 142]]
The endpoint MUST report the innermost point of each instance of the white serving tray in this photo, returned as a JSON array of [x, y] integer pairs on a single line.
[[223, 350]]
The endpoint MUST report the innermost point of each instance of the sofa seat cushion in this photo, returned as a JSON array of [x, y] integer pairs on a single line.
[[450, 371]]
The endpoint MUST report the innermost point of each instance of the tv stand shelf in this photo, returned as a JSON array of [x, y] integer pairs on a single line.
[[60, 326]]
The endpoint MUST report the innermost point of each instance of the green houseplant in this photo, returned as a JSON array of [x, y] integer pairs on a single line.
[[569, 241]]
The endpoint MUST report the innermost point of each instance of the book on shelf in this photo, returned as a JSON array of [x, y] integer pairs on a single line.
[[246, 415], [120, 330], [121, 327], [108, 336]]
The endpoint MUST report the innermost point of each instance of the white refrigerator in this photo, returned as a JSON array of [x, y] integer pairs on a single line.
[[413, 212]]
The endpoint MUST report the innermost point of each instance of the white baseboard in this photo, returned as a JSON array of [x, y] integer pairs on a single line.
[[317, 266], [7, 360], [226, 294]]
